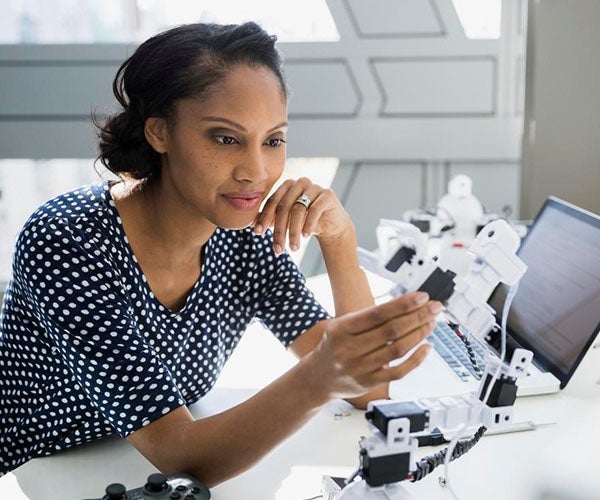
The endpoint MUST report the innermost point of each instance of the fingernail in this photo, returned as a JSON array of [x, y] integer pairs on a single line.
[[421, 298], [278, 249], [258, 229], [435, 307], [294, 247]]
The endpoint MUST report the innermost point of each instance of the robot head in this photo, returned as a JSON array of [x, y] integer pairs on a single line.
[[460, 186]]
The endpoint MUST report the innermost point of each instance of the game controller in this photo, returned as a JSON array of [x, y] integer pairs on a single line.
[[160, 487]]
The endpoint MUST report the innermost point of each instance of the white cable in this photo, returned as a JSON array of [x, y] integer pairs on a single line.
[[453, 442]]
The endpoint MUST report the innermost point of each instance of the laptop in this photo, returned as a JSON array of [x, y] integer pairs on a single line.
[[555, 313]]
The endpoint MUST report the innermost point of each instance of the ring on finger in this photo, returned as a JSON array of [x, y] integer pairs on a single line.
[[303, 200]]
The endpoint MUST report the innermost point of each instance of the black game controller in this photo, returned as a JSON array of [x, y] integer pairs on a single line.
[[160, 487]]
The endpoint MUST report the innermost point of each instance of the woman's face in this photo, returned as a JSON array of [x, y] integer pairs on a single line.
[[224, 153]]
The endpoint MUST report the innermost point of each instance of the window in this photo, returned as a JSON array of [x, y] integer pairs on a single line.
[[132, 21]]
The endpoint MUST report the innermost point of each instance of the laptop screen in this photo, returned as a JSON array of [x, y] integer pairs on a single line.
[[556, 311]]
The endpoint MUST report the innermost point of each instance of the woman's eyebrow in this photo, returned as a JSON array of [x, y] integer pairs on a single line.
[[238, 125], [224, 120], [280, 125]]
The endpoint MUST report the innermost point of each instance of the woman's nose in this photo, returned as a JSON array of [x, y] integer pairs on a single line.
[[252, 167]]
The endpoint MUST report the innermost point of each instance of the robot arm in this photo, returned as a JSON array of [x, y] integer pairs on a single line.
[[402, 257]]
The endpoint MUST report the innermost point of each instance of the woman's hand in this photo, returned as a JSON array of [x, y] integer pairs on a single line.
[[324, 217], [355, 351]]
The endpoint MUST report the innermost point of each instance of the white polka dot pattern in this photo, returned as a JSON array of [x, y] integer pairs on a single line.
[[86, 349]]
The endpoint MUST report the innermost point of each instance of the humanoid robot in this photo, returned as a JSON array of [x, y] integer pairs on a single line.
[[463, 207], [455, 221]]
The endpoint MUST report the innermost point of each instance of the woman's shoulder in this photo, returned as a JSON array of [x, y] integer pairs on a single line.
[[84, 210], [73, 206]]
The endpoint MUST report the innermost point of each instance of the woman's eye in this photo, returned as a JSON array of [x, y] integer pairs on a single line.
[[275, 142], [225, 139]]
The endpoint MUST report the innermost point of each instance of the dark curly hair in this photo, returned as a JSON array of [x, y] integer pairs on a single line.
[[185, 61]]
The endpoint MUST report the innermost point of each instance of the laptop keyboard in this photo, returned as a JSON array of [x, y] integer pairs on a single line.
[[452, 350]]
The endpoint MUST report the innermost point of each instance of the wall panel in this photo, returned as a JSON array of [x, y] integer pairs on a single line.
[[436, 86]]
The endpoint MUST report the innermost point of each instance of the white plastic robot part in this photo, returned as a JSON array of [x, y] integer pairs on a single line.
[[464, 208], [496, 261], [393, 234], [467, 308], [496, 246], [460, 186]]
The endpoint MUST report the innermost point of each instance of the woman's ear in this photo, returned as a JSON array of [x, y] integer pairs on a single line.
[[156, 132]]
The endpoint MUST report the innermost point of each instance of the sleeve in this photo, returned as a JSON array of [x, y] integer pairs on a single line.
[[77, 296], [286, 306]]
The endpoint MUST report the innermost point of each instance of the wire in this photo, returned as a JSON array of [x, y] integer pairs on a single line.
[[453, 442], [427, 464], [354, 475]]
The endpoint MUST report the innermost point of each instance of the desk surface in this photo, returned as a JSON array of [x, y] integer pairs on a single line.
[[561, 459]]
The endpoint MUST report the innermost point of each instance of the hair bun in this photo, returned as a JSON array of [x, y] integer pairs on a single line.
[[124, 148]]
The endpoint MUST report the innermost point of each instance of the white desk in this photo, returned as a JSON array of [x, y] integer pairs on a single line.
[[561, 458]]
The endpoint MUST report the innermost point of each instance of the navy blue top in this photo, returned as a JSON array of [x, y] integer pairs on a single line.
[[86, 349]]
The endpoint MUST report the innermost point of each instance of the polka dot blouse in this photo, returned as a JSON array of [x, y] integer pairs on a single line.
[[86, 349]]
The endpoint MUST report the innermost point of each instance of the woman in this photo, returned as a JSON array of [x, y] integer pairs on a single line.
[[127, 298]]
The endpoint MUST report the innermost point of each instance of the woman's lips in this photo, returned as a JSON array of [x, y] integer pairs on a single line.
[[243, 201]]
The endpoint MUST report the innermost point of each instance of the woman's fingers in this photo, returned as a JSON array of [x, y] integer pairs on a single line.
[[283, 214], [267, 217], [398, 348], [400, 329], [376, 349], [367, 320], [322, 214], [391, 373], [299, 213], [287, 207], [321, 203], [361, 345]]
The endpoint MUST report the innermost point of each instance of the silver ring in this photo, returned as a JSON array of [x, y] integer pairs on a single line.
[[303, 200]]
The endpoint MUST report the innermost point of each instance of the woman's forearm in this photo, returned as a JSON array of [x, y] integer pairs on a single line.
[[351, 292], [351, 359], [349, 284], [219, 447]]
